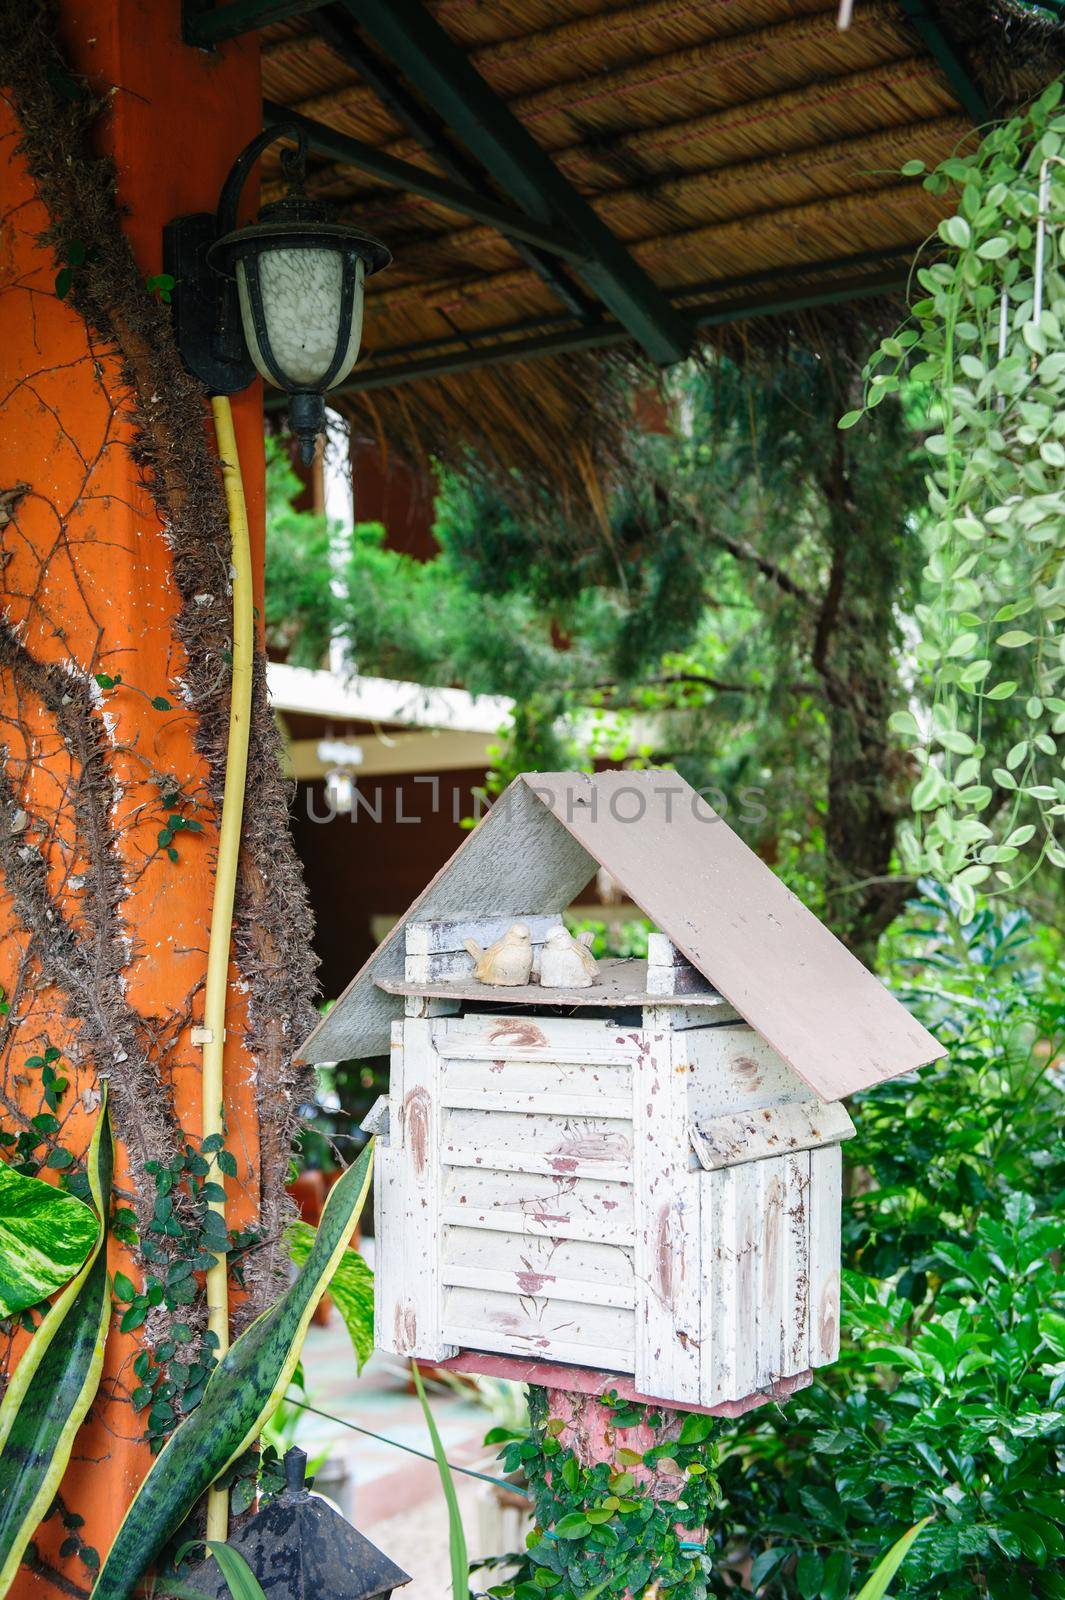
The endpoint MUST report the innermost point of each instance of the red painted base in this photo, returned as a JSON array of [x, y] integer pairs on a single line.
[[589, 1380]]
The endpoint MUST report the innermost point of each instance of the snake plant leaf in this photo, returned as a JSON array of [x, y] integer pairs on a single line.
[[45, 1235], [243, 1391], [55, 1382], [351, 1286], [460, 1561]]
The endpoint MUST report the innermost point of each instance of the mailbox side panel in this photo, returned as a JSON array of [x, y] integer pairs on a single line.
[[407, 1316], [770, 1214]]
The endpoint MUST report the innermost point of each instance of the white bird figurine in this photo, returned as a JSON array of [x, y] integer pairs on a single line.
[[508, 962], [565, 962]]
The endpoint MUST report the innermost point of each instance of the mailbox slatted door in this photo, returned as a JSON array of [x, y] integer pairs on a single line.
[[537, 1187]]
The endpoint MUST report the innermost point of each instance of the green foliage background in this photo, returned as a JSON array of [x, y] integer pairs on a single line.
[[947, 1400], [737, 617]]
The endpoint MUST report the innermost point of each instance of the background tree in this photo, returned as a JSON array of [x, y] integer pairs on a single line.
[[744, 594]]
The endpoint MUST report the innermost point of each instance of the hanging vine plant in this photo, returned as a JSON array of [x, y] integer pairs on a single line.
[[986, 345]]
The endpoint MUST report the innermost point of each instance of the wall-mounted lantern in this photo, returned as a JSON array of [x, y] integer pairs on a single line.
[[282, 295]]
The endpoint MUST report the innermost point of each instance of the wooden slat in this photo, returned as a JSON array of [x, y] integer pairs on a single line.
[[562, 1054], [390, 1325], [620, 983], [539, 1261], [594, 1139], [417, 1122], [443, 934], [389, 1215], [507, 1159], [592, 1229], [769, 1130], [770, 1311], [731, 1238], [491, 1028], [523, 1037], [617, 1359], [502, 1280], [537, 1326], [590, 1105], [746, 1273], [667, 1222], [826, 1183], [540, 1078]]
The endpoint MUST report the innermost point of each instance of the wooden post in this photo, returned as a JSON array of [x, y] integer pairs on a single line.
[[89, 587]]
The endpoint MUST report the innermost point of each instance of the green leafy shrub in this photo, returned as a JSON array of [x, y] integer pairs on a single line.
[[936, 1150], [951, 1410], [946, 1401]]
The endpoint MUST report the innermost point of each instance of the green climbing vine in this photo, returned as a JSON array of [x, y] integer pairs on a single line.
[[599, 1529], [179, 1244], [985, 351], [176, 806]]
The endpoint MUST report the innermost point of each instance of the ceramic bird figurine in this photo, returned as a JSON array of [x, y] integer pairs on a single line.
[[508, 962], [565, 962]]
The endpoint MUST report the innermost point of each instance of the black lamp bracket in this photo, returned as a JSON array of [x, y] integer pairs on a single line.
[[205, 303], [294, 163]]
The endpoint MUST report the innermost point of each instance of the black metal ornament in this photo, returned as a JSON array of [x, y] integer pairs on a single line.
[[300, 1548]]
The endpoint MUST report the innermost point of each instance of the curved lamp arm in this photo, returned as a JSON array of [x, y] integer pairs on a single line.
[[229, 199]]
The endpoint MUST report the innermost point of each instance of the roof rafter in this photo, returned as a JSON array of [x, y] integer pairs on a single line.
[[336, 29], [205, 24], [571, 341], [441, 72], [339, 147], [942, 47]]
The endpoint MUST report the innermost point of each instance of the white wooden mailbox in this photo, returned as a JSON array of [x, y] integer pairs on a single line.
[[640, 1181]]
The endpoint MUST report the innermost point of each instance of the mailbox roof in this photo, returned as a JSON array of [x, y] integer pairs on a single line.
[[834, 1023]]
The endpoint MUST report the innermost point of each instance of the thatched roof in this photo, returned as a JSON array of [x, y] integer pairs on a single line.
[[745, 152]]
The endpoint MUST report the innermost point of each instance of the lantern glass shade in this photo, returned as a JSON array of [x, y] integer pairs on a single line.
[[301, 308]]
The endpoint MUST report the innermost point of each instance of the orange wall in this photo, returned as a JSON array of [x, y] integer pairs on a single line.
[[88, 577]]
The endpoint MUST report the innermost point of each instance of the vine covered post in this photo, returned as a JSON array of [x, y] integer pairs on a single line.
[[621, 1494], [114, 692]]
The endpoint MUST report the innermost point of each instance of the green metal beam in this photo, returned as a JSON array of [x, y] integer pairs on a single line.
[[570, 341], [443, 75], [206, 25], [412, 179], [345, 41], [942, 47], [847, 266]]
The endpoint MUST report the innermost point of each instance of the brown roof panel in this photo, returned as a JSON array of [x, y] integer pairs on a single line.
[[783, 970]]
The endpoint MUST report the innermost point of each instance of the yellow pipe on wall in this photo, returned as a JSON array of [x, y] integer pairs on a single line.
[[214, 1029]]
